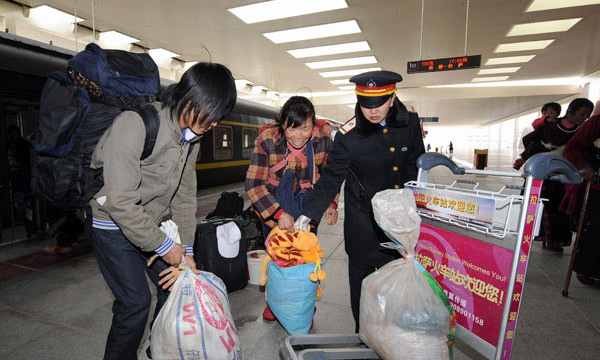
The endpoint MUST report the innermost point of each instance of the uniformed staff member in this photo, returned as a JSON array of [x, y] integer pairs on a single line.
[[374, 151]]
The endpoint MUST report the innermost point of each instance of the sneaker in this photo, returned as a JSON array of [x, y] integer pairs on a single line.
[[267, 314], [53, 250]]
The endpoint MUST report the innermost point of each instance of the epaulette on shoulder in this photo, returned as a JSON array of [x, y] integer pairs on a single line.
[[348, 126]]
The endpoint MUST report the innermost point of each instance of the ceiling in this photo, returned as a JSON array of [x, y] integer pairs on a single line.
[[393, 30]]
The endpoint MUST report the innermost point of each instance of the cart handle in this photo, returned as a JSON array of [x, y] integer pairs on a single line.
[[547, 166], [427, 161]]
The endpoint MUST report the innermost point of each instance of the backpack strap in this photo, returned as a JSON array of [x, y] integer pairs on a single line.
[[149, 115]]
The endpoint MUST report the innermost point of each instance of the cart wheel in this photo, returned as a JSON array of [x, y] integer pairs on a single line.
[[565, 293]]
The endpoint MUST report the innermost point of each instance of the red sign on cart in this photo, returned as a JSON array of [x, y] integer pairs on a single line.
[[473, 274]]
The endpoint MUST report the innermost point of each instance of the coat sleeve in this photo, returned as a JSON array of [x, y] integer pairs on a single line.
[[122, 176], [256, 182], [417, 147], [582, 141], [185, 202], [332, 177]]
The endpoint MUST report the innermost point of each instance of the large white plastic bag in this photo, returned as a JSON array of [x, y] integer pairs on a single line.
[[195, 321], [400, 315]]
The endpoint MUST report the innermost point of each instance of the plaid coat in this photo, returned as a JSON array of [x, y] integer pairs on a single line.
[[270, 149]]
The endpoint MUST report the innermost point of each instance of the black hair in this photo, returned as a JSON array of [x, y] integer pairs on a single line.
[[208, 89], [294, 113], [579, 103], [554, 106]]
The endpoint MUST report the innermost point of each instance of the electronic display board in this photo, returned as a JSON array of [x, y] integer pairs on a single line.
[[453, 63]]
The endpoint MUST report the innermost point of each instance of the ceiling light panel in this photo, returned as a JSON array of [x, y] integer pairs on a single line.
[[280, 9], [490, 78], [340, 73], [509, 60], [538, 5], [503, 70], [162, 53], [340, 82], [330, 49], [347, 87], [45, 12], [115, 36], [543, 27], [342, 62], [523, 46], [314, 32]]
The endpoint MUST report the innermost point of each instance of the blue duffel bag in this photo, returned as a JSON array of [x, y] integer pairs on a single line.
[[291, 296]]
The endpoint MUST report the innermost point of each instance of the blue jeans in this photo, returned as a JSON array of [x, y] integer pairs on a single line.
[[124, 268]]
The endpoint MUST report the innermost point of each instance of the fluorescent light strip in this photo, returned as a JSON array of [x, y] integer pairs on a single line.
[[314, 32], [115, 36], [509, 60], [523, 46], [330, 49], [543, 27], [350, 87], [490, 78], [539, 5], [340, 82], [280, 9], [162, 53], [48, 13], [340, 73], [342, 62], [498, 70], [538, 82]]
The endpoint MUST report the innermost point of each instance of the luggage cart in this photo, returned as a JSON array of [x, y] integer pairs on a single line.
[[507, 229]]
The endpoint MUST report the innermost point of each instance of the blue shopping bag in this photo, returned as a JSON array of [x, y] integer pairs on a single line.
[[291, 296]]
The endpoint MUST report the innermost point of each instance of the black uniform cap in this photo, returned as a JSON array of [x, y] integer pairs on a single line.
[[373, 88]]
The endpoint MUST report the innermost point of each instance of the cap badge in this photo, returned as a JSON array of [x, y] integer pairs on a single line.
[[371, 83]]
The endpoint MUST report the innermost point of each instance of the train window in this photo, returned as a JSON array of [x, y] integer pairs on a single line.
[[222, 142], [248, 138]]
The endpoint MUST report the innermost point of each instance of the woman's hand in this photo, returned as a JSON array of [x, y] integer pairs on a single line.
[[286, 222], [331, 215], [189, 259], [168, 277]]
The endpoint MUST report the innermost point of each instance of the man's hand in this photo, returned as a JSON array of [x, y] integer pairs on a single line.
[[173, 257], [587, 173], [286, 222], [302, 222], [331, 215]]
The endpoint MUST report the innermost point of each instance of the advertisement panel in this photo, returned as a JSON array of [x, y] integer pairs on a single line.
[[473, 274]]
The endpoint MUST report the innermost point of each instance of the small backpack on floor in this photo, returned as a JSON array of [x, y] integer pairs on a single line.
[[76, 108], [229, 205]]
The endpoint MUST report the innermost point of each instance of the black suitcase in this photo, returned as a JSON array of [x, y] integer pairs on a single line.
[[233, 271]]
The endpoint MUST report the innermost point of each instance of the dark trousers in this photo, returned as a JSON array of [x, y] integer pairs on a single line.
[[124, 268], [356, 274]]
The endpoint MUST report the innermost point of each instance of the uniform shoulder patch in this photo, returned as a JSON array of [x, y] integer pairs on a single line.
[[348, 126]]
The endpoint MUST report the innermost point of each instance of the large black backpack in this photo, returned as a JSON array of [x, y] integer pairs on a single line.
[[76, 108]]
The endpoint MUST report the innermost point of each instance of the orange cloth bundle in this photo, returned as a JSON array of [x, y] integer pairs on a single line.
[[291, 249]]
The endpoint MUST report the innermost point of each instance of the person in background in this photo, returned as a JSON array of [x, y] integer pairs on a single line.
[[551, 137], [374, 151], [451, 148], [550, 113], [583, 150], [137, 194], [287, 161], [428, 147]]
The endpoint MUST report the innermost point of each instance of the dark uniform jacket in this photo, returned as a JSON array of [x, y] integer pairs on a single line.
[[371, 158]]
